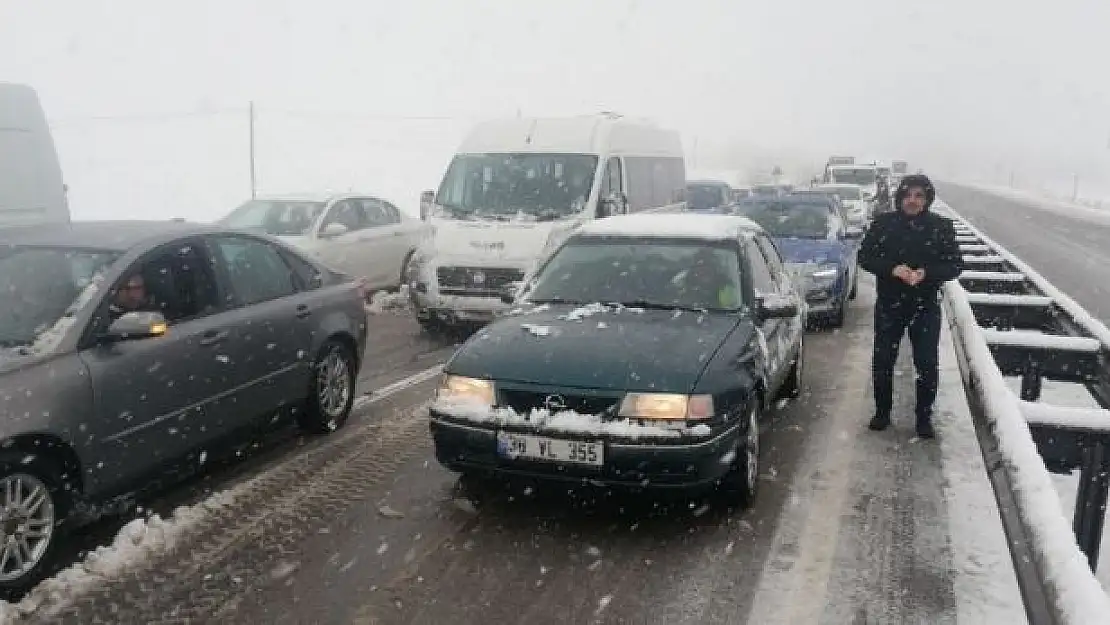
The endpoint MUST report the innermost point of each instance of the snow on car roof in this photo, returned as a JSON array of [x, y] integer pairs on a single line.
[[322, 196], [672, 225]]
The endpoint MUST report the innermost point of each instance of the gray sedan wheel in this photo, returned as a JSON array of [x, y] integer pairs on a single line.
[[33, 507], [332, 390]]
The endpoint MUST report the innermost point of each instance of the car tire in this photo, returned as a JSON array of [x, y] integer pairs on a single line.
[[331, 390], [792, 387], [741, 483], [836, 318], [41, 528]]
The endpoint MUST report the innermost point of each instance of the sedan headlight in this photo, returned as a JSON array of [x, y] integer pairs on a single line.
[[666, 406], [457, 388], [825, 273]]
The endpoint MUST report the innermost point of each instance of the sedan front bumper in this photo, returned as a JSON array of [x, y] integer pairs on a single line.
[[664, 465]]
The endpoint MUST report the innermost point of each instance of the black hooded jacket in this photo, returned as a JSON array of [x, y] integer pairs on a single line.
[[926, 241]]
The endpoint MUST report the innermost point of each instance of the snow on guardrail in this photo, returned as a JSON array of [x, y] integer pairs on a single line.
[[1055, 575]]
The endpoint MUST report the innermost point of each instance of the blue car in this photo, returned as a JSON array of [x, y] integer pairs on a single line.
[[818, 247]]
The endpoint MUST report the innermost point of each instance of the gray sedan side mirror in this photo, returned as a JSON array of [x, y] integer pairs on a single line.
[[136, 325]]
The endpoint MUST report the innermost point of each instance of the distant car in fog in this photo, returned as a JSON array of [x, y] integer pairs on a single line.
[[819, 248], [859, 210], [127, 348], [707, 195], [358, 234]]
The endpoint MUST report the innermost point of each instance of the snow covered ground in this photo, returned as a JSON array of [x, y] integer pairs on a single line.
[[140, 539]]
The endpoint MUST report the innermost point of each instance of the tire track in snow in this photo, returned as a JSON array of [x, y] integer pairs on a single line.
[[172, 586], [792, 589]]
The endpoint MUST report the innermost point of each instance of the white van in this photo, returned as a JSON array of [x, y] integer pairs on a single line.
[[31, 186], [864, 176], [517, 188]]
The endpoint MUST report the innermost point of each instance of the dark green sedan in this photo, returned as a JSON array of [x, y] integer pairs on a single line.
[[642, 353]]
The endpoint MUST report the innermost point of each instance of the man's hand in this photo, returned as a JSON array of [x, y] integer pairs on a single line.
[[903, 273], [916, 276]]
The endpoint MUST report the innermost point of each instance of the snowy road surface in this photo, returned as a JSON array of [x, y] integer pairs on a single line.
[[364, 527], [1070, 249]]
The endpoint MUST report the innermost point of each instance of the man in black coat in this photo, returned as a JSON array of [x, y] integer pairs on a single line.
[[912, 252]]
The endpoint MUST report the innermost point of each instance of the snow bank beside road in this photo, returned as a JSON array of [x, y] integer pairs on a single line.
[[136, 542]]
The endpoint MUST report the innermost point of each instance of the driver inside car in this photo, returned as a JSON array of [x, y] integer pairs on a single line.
[[707, 283], [131, 296]]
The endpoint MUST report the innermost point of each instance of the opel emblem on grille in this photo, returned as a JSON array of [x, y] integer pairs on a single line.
[[555, 402], [478, 277]]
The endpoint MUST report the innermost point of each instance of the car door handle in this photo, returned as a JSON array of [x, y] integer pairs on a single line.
[[213, 337], [398, 233], [303, 311]]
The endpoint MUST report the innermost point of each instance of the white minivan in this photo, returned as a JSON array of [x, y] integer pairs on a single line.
[[517, 188], [31, 186]]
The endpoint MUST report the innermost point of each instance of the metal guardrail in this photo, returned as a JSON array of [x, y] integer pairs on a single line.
[[1007, 320]]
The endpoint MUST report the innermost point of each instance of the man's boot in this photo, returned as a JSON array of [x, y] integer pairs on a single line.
[[879, 422], [925, 427]]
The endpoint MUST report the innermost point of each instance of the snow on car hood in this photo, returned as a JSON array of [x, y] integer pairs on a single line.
[[516, 242], [597, 347]]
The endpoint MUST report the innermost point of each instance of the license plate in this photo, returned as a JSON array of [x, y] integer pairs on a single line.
[[525, 447]]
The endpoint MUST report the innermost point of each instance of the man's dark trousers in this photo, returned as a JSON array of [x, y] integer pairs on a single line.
[[922, 319]]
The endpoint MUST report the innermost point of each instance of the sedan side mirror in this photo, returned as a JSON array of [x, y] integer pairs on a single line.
[[333, 230], [136, 325], [776, 307]]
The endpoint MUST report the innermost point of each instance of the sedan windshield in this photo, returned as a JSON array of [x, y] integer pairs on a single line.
[[796, 220], [503, 186], [860, 176], [644, 272], [275, 217], [41, 284]]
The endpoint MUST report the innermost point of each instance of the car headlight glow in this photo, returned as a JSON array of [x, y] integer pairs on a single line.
[[457, 388], [824, 273], [666, 406]]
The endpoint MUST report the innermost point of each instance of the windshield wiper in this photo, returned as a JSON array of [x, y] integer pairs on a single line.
[[650, 305]]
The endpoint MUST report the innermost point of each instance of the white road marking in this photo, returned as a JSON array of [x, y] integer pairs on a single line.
[[386, 391]]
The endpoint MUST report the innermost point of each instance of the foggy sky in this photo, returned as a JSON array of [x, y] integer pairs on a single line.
[[148, 98]]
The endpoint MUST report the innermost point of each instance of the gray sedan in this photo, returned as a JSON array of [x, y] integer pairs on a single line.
[[128, 347]]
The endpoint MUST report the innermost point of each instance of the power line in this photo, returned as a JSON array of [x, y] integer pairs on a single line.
[[259, 111], [144, 117]]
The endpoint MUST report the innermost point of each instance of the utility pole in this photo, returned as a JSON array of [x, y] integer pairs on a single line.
[[254, 187]]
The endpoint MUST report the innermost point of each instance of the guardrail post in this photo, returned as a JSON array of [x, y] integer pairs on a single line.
[[1091, 498], [1031, 381]]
